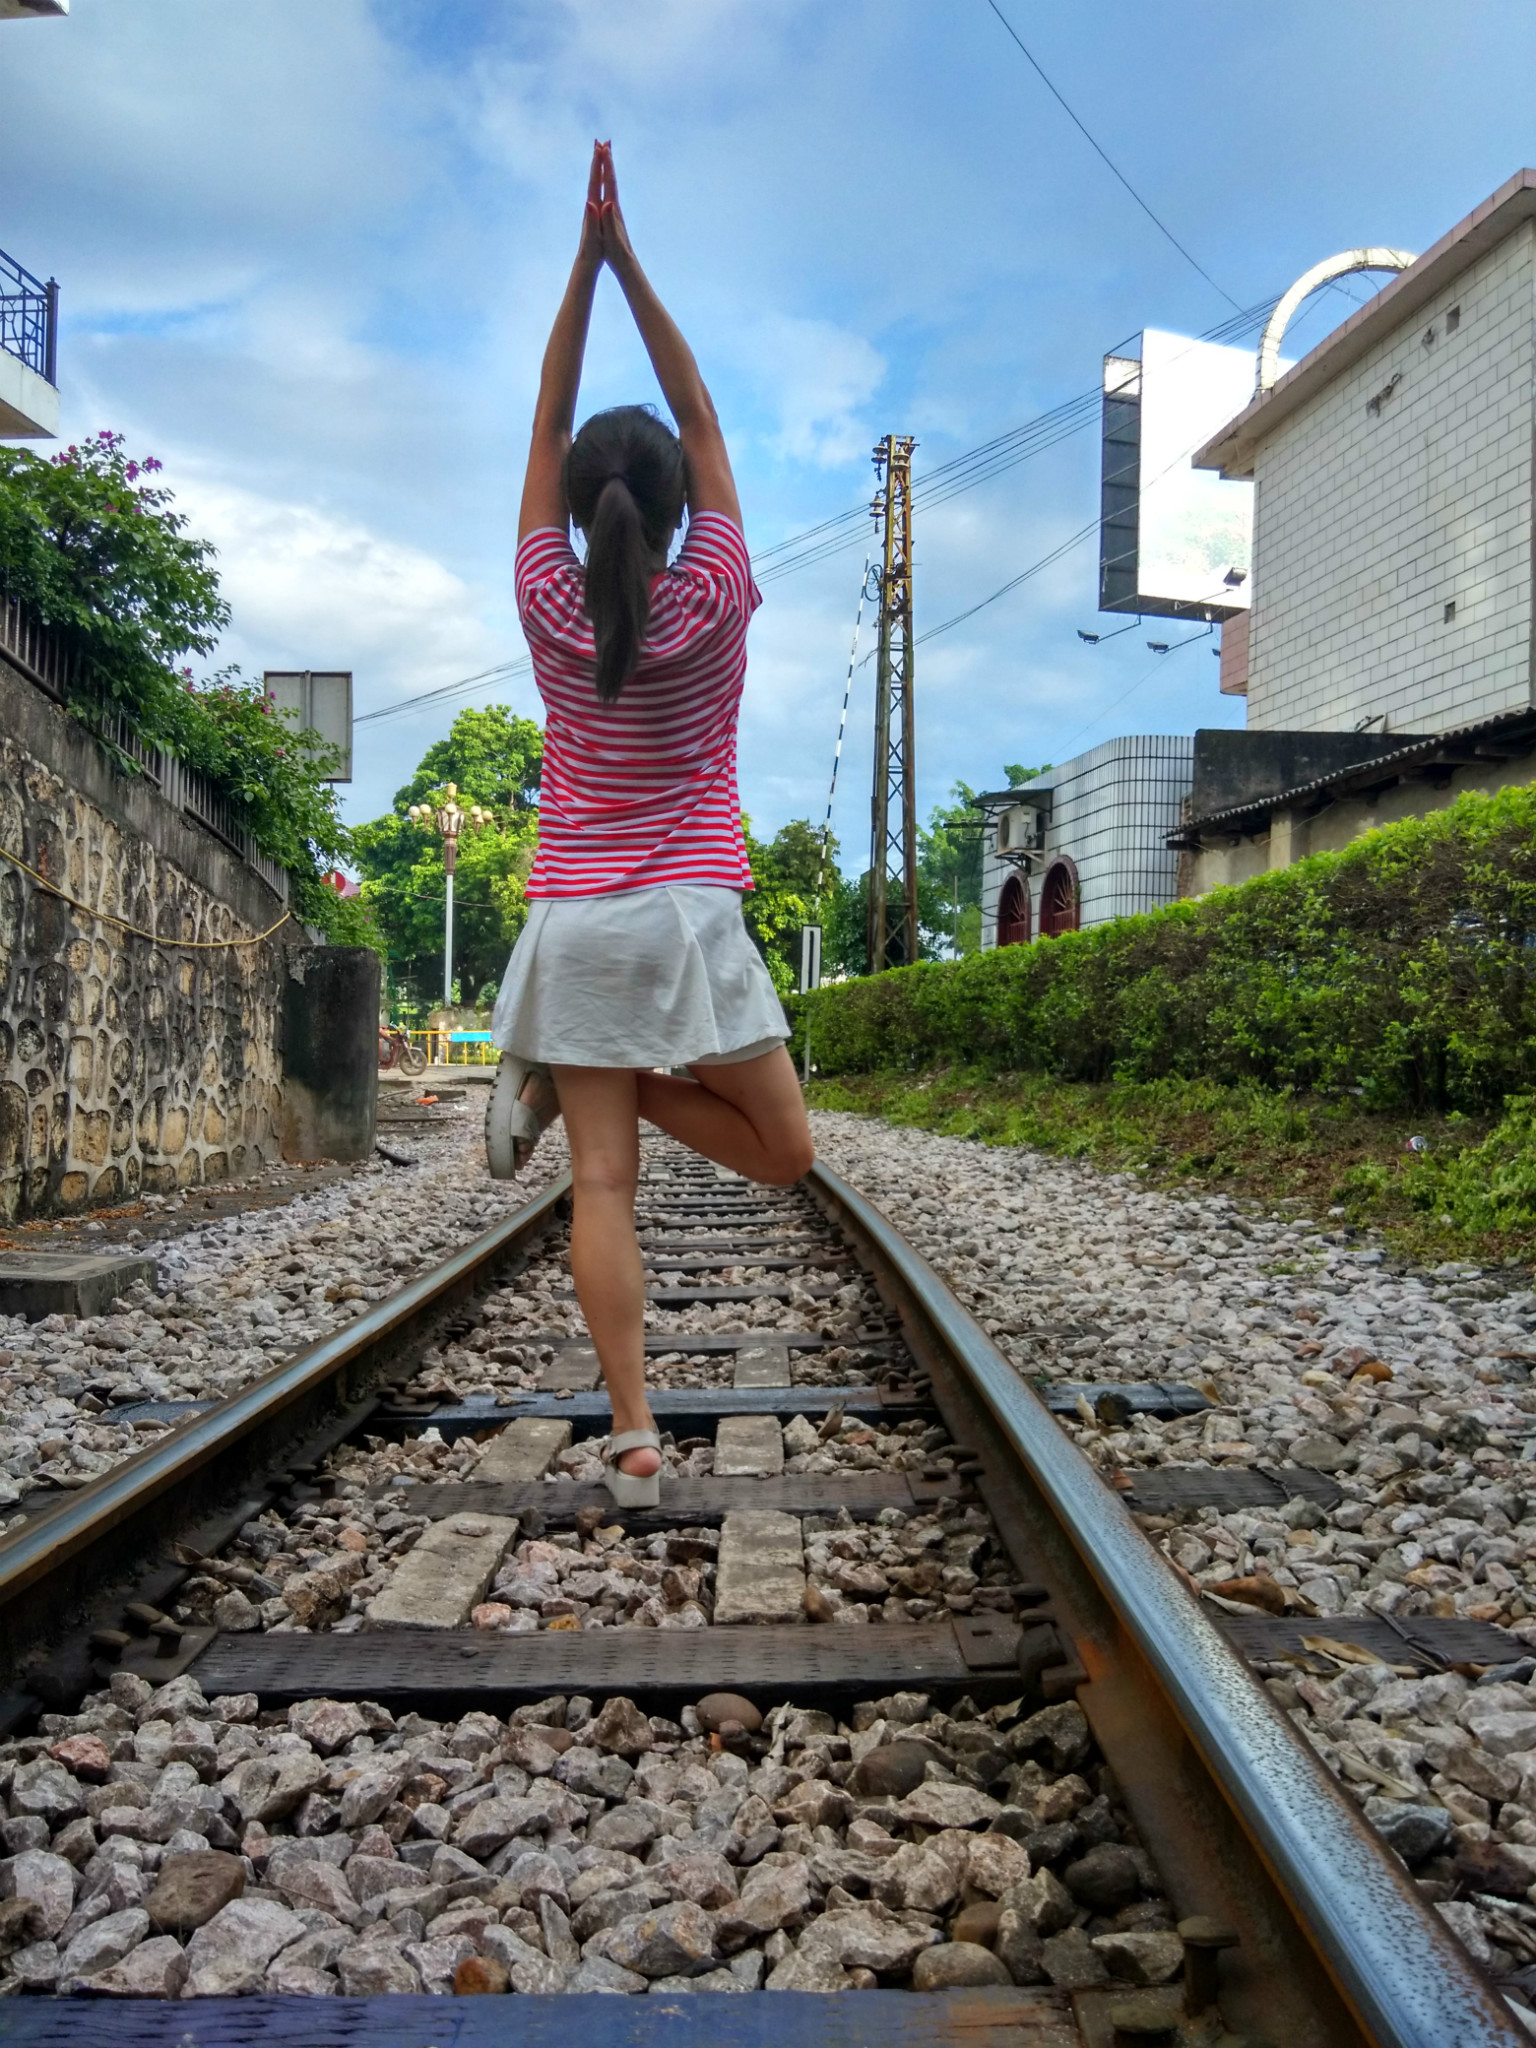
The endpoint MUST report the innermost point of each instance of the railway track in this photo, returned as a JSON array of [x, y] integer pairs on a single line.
[[981, 1741]]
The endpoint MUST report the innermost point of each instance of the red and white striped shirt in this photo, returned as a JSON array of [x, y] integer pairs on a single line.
[[641, 793]]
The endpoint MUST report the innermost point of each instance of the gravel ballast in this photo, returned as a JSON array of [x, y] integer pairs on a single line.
[[161, 1844], [1411, 1389]]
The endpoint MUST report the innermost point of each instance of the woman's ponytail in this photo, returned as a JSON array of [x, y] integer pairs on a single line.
[[625, 484], [618, 586]]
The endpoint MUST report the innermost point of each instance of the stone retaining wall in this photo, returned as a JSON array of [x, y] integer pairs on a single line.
[[127, 1064]]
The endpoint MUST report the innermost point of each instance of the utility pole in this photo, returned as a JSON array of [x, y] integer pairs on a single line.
[[893, 811]]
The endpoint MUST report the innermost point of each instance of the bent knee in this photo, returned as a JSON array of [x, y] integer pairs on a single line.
[[789, 1161]]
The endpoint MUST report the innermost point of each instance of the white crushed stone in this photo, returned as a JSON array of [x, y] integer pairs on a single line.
[[169, 1844], [1083, 1275], [237, 1296]]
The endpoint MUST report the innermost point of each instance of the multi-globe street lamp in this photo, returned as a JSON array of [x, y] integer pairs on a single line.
[[449, 819]]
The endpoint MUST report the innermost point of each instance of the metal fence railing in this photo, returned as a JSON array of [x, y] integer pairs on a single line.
[[43, 657], [457, 1048], [29, 318]]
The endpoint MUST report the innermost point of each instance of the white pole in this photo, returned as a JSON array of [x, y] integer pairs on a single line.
[[448, 948]]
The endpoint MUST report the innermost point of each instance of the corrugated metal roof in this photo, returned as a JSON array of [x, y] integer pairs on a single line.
[[1378, 765]]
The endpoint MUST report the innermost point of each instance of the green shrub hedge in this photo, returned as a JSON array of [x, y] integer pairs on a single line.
[[1401, 967]]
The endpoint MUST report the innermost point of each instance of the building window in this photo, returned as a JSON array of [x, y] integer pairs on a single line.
[[1059, 898], [1013, 913]]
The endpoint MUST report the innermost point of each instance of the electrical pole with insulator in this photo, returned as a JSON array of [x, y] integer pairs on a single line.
[[893, 811]]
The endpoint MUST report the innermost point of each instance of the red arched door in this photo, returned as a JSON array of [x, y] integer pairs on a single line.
[[1058, 899], [1013, 913]]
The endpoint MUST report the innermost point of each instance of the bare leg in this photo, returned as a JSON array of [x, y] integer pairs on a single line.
[[749, 1116], [602, 1125]]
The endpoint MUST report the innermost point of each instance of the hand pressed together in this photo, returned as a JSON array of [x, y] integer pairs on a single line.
[[604, 236]]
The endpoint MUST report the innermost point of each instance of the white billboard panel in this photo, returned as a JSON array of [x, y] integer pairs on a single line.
[[322, 699], [1175, 540]]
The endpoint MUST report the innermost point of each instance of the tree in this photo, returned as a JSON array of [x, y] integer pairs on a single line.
[[90, 546], [949, 876], [797, 883], [494, 758], [949, 869]]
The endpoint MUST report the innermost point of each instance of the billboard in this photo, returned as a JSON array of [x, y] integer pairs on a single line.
[[1174, 541], [322, 698]]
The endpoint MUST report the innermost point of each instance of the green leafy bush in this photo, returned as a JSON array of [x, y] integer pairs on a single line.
[[90, 546], [1400, 968], [1490, 1186]]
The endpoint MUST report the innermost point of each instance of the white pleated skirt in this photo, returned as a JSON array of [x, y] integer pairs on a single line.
[[662, 977]]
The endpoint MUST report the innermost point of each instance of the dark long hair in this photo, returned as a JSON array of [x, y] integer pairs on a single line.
[[625, 485]]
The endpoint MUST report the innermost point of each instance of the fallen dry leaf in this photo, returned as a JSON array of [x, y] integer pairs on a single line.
[[1346, 1653], [1254, 1592]]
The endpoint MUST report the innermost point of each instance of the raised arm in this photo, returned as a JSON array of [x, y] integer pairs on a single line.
[[711, 486], [543, 491]]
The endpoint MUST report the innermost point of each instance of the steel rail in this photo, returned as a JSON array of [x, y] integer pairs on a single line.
[[1395, 1976], [77, 1528], [1400, 1973]]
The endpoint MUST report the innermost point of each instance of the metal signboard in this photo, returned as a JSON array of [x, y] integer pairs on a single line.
[[810, 957], [321, 700], [1175, 542]]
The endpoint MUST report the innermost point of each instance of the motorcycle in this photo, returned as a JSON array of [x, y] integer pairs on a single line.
[[396, 1050]]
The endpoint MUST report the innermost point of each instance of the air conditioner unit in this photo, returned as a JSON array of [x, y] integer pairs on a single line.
[[1021, 829]]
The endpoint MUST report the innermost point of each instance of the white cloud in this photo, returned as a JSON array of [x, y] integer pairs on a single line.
[[311, 591], [817, 380]]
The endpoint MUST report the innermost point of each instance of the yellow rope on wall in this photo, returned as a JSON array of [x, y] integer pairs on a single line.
[[135, 931]]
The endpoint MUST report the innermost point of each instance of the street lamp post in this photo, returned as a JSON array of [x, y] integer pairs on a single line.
[[449, 819]]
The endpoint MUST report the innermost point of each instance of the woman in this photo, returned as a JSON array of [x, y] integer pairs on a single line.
[[635, 956]]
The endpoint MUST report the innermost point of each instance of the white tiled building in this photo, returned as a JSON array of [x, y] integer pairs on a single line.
[[1393, 556], [1393, 473], [1085, 842]]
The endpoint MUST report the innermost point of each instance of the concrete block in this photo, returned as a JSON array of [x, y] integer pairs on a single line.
[[573, 1366], [330, 1052], [748, 1447], [38, 1284], [762, 1365], [446, 1574], [524, 1451], [760, 1572]]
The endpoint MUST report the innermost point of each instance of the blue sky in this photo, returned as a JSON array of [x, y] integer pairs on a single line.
[[309, 254]]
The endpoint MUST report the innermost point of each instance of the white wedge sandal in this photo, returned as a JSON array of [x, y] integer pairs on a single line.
[[514, 1127], [629, 1490]]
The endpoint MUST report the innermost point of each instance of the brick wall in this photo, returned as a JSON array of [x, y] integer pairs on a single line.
[[1369, 522], [126, 1065]]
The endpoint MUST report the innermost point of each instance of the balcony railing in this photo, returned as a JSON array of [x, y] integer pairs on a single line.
[[29, 318]]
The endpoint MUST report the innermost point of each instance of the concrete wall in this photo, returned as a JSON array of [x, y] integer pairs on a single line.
[[126, 1064], [1369, 522], [1292, 835], [1111, 810]]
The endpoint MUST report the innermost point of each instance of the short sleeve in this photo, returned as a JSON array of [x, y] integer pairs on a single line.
[[548, 582], [714, 554]]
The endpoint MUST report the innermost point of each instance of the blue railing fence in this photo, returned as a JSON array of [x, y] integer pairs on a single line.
[[29, 318]]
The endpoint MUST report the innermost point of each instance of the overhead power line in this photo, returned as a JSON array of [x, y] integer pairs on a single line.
[[503, 669], [1104, 156], [932, 488]]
